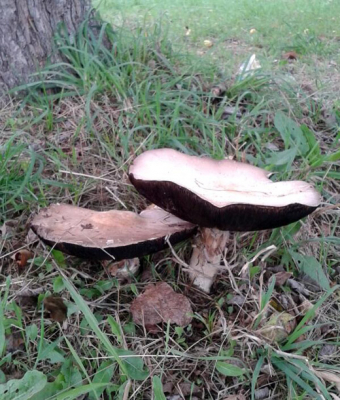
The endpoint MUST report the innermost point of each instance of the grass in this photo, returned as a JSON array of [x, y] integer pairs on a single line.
[[310, 29], [72, 137]]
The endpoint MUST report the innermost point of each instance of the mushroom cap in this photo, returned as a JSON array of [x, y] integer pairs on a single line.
[[225, 194], [108, 234]]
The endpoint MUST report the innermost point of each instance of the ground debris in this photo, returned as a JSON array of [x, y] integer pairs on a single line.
[[261, 394], [159, 303], [290, 55], [21, 257], [327, 352], [15, 342], [56, 307], [329, 377], [279, 326], [122, 269], [28, 298], [8, 228], [237, 300], [281, 278], [298, 287], [235, 397], [179, 388]]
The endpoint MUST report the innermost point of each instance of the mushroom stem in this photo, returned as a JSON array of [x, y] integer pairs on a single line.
[[206, 257]]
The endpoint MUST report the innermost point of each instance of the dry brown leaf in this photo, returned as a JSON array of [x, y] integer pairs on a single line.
[[290, 55], [14, 342], [56, 308], [21, 257], [159, 303], [282, 277]]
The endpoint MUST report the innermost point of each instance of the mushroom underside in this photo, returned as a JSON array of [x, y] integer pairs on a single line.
[[219, 196], [187, 205]]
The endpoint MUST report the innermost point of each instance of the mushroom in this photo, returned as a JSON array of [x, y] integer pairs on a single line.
[[218, 196], [114, 234]]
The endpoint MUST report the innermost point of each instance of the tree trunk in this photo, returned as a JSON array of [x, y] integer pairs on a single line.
[[26, 34]]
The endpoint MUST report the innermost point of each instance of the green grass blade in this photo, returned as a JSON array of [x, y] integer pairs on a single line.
[[92, 321], [256, 374], [157, 388]]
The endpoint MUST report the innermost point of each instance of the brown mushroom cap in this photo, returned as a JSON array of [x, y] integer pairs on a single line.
[[227, 195], [108, 234]]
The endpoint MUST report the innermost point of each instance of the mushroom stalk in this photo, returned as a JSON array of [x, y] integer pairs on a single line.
[[206, 257]]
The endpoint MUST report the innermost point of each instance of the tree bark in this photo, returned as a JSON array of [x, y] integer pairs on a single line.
[[26, 34]]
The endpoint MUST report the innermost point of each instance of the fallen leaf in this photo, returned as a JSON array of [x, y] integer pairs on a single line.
[[305, 306], [124, 269], [8, 228], [279, 326], [21, 257], [290, 55], [31, 237], [28, 298], [160, 303], [281, 278], [14, 342], [56, 308]]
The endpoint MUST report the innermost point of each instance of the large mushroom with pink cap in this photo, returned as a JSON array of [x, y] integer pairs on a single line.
[[219, 196]]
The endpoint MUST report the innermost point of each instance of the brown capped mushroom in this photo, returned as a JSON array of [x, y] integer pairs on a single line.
[[219, 196], [110, 234]]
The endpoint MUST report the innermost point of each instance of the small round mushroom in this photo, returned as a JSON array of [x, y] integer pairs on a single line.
[[219, 196], [106, 235]]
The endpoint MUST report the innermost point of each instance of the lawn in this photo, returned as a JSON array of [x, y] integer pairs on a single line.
[[270, 326]]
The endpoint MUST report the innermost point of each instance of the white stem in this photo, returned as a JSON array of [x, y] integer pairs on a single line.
[[206, 257]]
